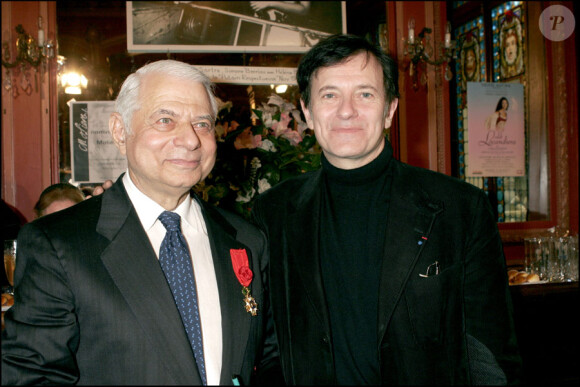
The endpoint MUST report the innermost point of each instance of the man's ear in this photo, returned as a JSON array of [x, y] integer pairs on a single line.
[[391, 112], [307, 115], [118, 132]]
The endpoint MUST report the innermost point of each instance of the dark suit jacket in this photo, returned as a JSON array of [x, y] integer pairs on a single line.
[[92, 305], [452, 328]]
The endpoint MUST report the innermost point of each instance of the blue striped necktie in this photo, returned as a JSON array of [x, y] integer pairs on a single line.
[[176, 264]]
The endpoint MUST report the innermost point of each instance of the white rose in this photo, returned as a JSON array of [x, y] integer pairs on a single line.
[[263, 185], [268, 146], [245, 197]]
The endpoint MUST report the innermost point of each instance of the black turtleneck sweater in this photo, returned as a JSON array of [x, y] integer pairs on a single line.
[[352, 237]]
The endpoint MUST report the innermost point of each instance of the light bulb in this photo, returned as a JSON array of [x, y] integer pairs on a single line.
[[411, 25], [448, 35]]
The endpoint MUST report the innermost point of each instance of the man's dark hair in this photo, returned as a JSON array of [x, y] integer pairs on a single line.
[[338, 49]]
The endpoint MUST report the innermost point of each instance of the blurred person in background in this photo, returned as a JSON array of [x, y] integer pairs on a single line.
[[57, 197]]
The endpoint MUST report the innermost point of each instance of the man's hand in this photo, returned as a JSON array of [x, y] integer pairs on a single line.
[[101, 188]]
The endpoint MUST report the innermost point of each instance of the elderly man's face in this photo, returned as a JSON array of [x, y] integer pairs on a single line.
[[172, 144], [348, 111]]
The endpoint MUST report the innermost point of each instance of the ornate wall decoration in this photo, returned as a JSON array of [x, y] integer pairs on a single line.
[[509, 42]]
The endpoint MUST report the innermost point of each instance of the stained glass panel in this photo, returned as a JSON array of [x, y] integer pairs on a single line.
[[508, 36], [508, 32], [470, 67], [508, 194]]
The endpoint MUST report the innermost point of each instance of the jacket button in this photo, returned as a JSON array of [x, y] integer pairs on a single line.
[[325, 340]]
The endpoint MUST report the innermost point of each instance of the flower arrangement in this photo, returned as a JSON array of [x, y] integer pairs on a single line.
[[274, 145]]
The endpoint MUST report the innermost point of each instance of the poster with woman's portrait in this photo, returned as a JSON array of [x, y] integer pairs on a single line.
[[496, 129], [511, 45]]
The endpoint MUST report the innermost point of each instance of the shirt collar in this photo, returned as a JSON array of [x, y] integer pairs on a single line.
[[149, 210]]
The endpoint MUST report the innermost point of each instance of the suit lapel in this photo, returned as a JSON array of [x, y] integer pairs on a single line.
[[235, 320], [134, 268], [411, 216], [303, 232]]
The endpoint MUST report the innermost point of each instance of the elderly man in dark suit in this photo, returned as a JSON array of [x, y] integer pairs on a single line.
[[380, 272], [105, 295]]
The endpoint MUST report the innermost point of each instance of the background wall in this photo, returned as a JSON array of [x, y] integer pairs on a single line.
[[420, 134], [29, 126]]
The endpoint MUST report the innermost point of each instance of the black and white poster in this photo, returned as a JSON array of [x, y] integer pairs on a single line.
[[95, 158], [231, 26]]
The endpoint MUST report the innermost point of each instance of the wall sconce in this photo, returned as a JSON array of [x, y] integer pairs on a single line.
[[30, 54], [420, 53]]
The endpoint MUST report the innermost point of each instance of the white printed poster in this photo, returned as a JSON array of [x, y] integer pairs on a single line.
[[250, 75], [496, 129], [95, 158]]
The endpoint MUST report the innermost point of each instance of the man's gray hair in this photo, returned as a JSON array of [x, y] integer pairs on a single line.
[[128, 99]]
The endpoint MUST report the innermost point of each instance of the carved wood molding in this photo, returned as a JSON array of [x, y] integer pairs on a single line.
[[560, 173], [439, 100]]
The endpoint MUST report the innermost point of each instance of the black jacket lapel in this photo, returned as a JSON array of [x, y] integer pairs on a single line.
[[409, 223], [303, 233], [235, 321], [134, 268]]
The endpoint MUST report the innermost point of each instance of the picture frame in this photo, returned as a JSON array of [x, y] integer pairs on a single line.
[[231, 26]]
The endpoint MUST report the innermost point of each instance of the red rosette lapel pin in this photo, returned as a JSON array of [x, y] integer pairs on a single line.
[[245, 276]]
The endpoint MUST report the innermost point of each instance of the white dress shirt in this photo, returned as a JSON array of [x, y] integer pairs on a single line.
[[195, 232]]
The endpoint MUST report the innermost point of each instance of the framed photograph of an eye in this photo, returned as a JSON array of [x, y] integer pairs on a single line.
[[232, 26]]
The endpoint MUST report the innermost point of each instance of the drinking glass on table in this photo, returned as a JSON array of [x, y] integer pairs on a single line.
[[10, 262]]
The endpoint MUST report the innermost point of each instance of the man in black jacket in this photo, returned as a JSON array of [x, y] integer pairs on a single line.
[[380, 272]]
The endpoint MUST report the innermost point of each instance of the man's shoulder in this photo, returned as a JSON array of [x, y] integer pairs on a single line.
[[235, 220], [427, 186], [77, 217], [230, 222], [289, 188], [433, 180], [227, 218]]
